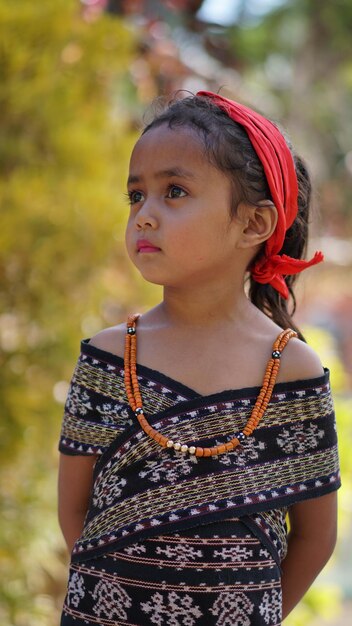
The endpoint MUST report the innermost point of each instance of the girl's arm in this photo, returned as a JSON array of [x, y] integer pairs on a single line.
[[311, 540], [75, 484]]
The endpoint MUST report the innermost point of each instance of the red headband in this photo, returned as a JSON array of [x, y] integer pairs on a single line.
[[279, 168]]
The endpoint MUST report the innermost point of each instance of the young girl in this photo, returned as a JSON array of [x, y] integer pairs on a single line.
[[177, 473]]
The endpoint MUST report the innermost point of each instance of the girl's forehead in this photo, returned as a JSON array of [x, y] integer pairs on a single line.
[[163, 153], [163, 143]]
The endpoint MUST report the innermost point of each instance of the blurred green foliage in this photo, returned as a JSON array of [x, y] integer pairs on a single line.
[[323, 600], [65, 122], [66, 138], [296, 65]]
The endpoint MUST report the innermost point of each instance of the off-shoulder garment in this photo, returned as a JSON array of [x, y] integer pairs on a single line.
[[175, 539]]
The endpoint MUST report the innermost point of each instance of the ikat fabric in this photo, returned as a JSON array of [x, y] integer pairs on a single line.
[[215, 575], [142, 490]]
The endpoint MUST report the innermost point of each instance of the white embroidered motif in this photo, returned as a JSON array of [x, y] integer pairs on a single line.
[[180, 552], [137, 548], [264, 553], [111, 600], [300, 437], [76, 590], [172, 610], [106, 489], [78, 401], [170, 469], [235, 553], [248, 450], [232, 608], [271, 607], [113, 413]]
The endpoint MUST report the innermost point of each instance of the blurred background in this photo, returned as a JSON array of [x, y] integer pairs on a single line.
[[76, 79]]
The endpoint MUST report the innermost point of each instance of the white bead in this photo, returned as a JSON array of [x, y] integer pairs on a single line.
[[170, 443], [184, 448], [177, 445], [192, 449]]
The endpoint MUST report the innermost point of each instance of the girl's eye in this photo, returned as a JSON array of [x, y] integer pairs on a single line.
[[176, 192], [135, 196]]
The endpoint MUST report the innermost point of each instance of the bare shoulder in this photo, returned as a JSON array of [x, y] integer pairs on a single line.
[[110, 339], [299, 362]]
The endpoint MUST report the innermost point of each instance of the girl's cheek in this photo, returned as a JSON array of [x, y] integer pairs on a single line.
[[128, 238], [130, 224]]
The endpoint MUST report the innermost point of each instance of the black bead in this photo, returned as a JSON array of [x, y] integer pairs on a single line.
[[138, 411], [240, 436], [276, 354], [131, 330]]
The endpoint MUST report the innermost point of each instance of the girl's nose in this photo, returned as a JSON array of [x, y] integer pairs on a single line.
[[146, 217]]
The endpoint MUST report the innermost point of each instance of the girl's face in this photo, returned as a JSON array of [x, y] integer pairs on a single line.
[[179, 231]]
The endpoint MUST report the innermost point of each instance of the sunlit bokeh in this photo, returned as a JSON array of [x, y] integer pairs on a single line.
[[76, 79]]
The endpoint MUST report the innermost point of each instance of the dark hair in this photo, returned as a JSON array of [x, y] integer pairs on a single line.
[[227, 147]]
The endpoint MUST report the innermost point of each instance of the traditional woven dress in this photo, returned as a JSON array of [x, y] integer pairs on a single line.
[[172, 539]]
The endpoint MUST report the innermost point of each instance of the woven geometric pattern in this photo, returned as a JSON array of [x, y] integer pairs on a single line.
[[220, 574], [140, 488]]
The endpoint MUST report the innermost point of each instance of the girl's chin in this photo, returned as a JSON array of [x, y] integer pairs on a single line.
[[151, 277], [157, 279]]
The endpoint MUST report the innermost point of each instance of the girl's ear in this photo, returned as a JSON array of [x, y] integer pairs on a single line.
[[258, 222]]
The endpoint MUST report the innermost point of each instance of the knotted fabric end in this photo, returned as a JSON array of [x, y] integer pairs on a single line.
[[273, 269]]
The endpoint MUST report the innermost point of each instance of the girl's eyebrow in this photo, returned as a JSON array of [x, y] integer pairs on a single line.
[[177, 171]]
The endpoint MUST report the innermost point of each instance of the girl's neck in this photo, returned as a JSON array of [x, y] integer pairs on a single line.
[[200, 307]]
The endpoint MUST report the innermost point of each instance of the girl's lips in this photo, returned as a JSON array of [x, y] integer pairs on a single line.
[[145, 246], [148, 249]]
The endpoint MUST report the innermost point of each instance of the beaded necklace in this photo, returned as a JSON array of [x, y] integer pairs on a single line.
[[135, 398]]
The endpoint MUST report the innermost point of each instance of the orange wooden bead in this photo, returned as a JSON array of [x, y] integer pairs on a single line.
[[158, 437], [152, 433]]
